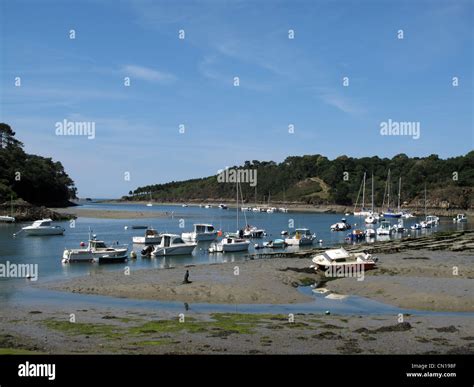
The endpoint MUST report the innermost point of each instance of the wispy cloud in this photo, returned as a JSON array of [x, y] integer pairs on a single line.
[[148, 74]]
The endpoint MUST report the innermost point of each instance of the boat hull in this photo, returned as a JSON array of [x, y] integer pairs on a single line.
[[146, 241], [43, 231], [75, 256], [199, 237], [173, 250]]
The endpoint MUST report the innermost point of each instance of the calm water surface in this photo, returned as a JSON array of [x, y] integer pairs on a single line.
[[46, 251]]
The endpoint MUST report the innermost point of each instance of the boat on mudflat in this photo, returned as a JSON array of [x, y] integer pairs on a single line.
[[340, 258]]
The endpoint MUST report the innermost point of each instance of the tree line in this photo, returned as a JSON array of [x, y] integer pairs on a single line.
[[35, 179]]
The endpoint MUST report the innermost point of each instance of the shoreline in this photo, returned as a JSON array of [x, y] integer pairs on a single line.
[[299, 207], [109, 214], [410, 279]]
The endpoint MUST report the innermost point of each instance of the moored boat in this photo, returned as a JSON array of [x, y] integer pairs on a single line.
[[201, 232], [43, 227], [173, 244], [96, 251], [460, 218], [385, 228], [151, 237], [341, 226], [301, 236], [229, 244]]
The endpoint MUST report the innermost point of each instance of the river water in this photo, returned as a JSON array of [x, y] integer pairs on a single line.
[[46, 251]]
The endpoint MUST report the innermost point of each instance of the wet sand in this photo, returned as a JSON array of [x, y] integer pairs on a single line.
[[419, 279], [43, 329], [110, 214]]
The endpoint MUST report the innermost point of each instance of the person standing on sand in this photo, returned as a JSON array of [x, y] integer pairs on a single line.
[[186, 278]]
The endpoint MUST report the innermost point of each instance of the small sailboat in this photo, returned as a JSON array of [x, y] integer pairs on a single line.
[[390, 213], [232, 243], [150, 204], [363, 211]]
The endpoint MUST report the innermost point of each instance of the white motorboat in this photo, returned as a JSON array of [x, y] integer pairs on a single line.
[[184, 205], [246, 209], [385, 228], [399, 227], [301, 236], [341, 226], [460, 218], [230, 244], [173, 244], [432, 220], [96, 251], [202, 232], [276, 244], [369, 233], [271, 210], [416, 226], [151, 237], [208, 206], [283, 209], [7, 219], [371, 219], [337, 258], [253, 232], [43, 227], [223, 206], [407, 215]]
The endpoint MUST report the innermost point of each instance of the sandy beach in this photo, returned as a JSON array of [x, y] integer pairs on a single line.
[[109, 214], [419, 279]]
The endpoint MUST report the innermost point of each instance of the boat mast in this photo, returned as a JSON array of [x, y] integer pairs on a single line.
[[388, 190], [372, 192], [363, 194], [425, 199], [237, 208], [399, 191]]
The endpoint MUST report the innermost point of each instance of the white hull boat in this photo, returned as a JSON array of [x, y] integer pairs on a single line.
[[338, 258], [201, 233], [253, 232], [460, 218], [340, 226], [172, 244], [152, 237], [43, 227], [230, 245], [385, 228], [7, 219], [96, 251], [301, 237], [369, 233]]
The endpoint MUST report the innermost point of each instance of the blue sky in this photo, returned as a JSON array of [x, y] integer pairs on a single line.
[[282, 81]]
